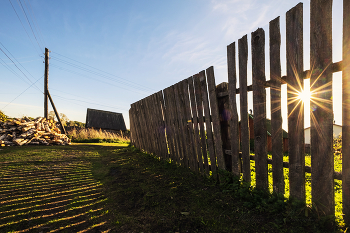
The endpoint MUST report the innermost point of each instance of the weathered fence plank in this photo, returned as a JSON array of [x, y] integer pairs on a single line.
[[199, 102], [175, 125], [208, 125], [198, 155], [245, 141], [224, 116], [259, 108], [161, 119], [182, 123], [346, 112], [276, 117], [322, 160], [215, 117], [169, 129], [234, 135], [187, 114], [296, 149]]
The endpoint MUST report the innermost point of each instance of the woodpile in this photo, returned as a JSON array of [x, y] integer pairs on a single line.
[[39, 131]]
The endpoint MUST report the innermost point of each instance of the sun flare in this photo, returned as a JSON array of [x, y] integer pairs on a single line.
[[304, 95]]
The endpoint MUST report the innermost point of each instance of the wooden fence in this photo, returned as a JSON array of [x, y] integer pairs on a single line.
[[195, 122]]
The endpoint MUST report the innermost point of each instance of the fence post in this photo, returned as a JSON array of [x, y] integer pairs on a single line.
[[346, 112], [245, 139], [234, 136], [295, 80], [322, 158], [276, 117], [259, 107]]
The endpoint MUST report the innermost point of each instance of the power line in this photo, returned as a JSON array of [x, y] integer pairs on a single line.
[[89, 103], [28, 21], [19, 64], [21, 93], [35, 23], [105, 72], [24, 27], [98, 74], [16, 65], [73, 72]]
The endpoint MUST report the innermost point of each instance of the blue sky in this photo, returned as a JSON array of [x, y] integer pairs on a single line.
[[109, 54]]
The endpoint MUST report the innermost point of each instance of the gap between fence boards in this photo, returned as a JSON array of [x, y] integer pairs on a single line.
[[336, 67], [336, 175]]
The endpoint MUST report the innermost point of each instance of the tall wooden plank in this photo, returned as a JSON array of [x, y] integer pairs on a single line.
[[198, 150], [215, 118], [234, 134], [224, 116], [149, 123], [346, 112], [187, 114], [322, 160], [296, 148], [168, 127], [201, 121], [175, 123], [259, 107], [132, 137], [153, 103], [137, 123], [208, 125], [161, 124], [276, 116], [146, 127], [243, 88], [181, 120]]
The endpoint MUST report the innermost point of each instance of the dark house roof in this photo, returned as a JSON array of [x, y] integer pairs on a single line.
[[99, 119]]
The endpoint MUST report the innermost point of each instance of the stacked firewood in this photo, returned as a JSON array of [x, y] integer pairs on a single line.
[[31, 132]]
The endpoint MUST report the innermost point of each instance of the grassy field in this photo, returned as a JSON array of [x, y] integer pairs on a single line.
[[115, 188]]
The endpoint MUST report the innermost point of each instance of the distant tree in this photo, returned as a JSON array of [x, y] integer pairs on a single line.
[[3, 117], [63, 117]]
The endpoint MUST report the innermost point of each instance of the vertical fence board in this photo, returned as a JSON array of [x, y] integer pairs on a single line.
[[132, 130], [245, 139], [198, 153], [259, 107], [296, 150], [169, 129], [322, 161], [144, 126], [346, 112], [215, 118], [154, 106], [137, 125], [149, 117], [276, 117], [187, 114], [201, 121], [208, 125], [224, 116], [234, 136], [161, 125], [177, 154], [182, 123]]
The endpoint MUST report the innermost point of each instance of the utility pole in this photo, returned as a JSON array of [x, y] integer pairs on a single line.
[[46, 83]]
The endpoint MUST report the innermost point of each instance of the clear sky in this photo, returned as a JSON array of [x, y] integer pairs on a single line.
[[109, 54]]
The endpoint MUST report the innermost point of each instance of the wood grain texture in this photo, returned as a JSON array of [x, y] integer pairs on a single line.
[[233, 122], [208, 124], [169, 126], [346, 112], [198, 155], [199, 103], [243, 63], [322, 161], [296, 148], [190, 131], [161, 119], [276, 117], [259, 108], [182, 121], [175, 125], [215, 118]]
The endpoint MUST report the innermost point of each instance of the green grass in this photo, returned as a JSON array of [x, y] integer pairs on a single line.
[[113, 187]]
